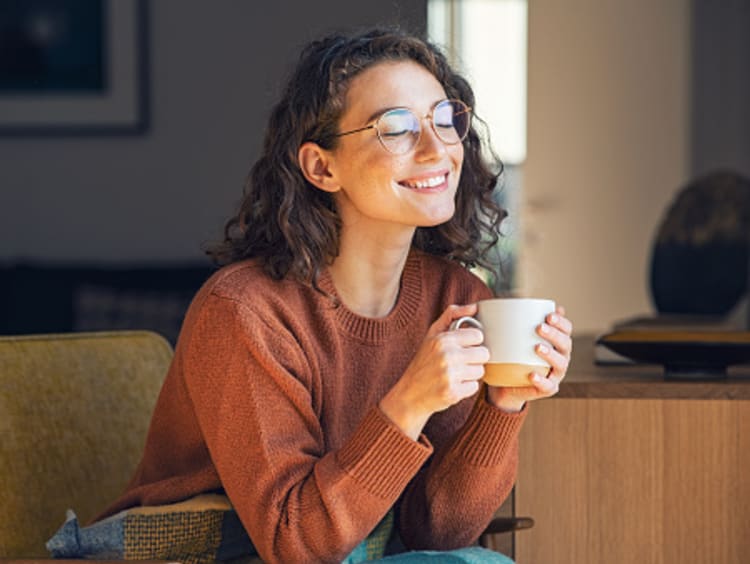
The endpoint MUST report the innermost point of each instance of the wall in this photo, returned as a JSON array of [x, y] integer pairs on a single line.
[[610, 138], [215, 70], [720, 86], [608, 145]]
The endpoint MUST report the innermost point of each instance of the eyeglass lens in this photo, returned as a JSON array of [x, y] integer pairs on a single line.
[[399, 129]]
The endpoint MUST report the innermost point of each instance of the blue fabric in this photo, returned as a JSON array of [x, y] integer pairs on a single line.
[[358, 555], [105, 539], [235, 541], [374, 546], [470, 555]]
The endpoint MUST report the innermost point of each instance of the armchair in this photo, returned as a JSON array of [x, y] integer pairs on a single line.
[[74, 413]]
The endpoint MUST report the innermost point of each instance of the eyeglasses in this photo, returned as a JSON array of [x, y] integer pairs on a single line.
[[399, 129]]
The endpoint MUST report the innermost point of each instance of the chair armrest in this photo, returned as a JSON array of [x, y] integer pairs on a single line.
[[507, 524]]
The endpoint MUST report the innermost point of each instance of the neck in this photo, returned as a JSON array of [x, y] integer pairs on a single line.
[[367, 274]]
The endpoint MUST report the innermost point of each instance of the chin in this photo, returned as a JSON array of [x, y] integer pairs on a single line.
[[439, 218]]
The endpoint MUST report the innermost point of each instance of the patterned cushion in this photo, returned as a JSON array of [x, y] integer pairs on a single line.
[[200, 530]]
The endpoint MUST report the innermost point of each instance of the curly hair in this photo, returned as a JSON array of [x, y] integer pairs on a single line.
[[291, 226]]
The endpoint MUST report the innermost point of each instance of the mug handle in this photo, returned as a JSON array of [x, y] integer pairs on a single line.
[[458, 323]]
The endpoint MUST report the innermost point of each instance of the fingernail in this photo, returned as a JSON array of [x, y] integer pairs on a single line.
[[544, 349], [545, 328], [553, 318], [536, 378]]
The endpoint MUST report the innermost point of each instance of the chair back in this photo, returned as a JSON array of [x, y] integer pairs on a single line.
[[74, 412]]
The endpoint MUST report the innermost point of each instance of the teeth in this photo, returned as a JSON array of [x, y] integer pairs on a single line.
[[427, 182]]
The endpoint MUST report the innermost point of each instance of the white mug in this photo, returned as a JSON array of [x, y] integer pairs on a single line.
[[509, 328]]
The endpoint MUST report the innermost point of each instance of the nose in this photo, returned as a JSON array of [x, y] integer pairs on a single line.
[[429, 146]]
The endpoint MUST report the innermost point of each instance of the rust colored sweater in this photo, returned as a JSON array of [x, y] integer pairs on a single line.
[[272, 395]]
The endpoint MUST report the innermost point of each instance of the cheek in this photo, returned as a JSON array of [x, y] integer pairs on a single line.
[[382, 169], [458, 155], [373, 158]]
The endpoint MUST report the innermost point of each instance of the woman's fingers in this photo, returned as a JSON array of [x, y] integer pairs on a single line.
[[560, 322], [557, 331], [545, 387], [452, 312], [557, 337], [557, 360], [466, 336]]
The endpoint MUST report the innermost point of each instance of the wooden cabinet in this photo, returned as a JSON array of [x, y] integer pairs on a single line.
[[623, 467]]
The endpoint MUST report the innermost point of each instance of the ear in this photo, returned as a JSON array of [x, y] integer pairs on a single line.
[[315, 165]]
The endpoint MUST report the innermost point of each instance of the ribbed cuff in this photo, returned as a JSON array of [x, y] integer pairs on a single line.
[[489, 433], [381, 457]]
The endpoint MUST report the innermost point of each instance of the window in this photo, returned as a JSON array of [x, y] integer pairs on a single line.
[[486, 40]]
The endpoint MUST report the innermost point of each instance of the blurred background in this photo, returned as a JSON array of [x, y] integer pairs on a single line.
[[110, 184]]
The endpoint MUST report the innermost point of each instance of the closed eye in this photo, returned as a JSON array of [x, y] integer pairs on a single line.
[[396, 133]]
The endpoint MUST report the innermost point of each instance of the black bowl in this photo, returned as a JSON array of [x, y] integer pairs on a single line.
[[691, 355]]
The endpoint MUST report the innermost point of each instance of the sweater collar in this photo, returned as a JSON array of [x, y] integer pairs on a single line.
[[378, 330]]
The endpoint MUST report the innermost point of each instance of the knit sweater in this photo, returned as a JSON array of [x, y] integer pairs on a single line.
[[272, 396]]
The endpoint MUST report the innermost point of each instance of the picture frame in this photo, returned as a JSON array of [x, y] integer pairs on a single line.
[[115, 105]]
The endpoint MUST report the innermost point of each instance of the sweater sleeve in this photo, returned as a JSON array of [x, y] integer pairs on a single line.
[[456, 495], [254, 398]]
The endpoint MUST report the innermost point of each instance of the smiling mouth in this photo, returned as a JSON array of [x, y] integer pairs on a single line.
[[424, 183]]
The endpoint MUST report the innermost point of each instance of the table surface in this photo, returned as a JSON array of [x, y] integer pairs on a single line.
[[586, 379]]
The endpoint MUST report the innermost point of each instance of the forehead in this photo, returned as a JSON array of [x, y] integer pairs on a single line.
[[390, 84]]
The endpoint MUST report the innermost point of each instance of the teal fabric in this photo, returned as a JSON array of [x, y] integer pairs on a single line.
[[359, 554], [470, 555], [374, 546]]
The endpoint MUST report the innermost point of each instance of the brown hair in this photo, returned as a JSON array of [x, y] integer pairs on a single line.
[[293, 227]]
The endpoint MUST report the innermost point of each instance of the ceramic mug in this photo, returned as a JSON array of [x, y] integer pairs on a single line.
[[509, 328]]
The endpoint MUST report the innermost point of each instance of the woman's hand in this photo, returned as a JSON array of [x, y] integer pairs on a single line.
[[557, 329], [446, 369]]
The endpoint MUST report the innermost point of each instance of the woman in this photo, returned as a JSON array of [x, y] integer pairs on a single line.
[[316, 380]]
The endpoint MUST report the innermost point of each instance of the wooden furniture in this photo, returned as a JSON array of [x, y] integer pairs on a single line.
[[622, 466]]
